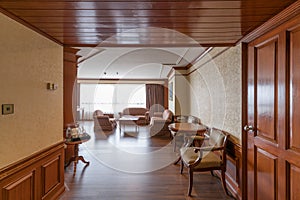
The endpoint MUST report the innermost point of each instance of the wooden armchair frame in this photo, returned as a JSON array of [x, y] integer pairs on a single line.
[[194, 165]]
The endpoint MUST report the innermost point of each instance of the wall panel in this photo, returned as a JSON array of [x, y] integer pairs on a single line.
[[22, 188], [40, 176]]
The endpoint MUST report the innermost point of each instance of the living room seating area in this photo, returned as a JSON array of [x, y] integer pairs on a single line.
[[141, 113]]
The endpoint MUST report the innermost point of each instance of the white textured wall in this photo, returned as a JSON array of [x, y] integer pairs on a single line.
[[215, 89], [172, 102], [181, 95], [27, 62]]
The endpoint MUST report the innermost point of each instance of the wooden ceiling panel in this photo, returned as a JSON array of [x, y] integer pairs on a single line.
[[148, 22], [145, 20], [145, 13]]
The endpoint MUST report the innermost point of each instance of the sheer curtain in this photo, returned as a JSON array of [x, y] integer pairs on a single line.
[[154, 98]]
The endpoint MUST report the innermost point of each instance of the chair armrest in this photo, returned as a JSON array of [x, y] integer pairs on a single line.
[[208, 148], [147, 116]]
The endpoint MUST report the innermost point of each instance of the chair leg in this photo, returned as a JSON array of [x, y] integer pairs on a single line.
[[174, 144], [190, 181], [181, 166], [212, 173], [224, 181]]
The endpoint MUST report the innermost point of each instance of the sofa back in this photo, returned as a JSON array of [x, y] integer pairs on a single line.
[[97, 113], [134, 111]]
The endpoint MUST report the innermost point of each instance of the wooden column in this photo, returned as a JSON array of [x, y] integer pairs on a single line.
[[70, 85]]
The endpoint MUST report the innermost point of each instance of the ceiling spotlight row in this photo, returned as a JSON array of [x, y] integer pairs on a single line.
[[116, 73]]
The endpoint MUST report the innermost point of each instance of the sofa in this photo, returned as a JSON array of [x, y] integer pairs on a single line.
[[159, 123], [103, 122], [141, 113]]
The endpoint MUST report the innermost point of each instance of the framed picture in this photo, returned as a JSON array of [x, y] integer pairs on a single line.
[[171, 91]]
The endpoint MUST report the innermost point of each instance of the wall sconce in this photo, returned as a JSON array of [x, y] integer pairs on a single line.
[[52, 86]]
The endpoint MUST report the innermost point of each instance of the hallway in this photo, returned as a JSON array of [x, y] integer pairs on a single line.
[[106, 178]]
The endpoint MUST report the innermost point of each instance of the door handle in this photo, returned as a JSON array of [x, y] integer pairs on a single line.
[[249, 128]]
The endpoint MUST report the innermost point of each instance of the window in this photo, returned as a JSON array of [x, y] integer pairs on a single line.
[[111, 98]]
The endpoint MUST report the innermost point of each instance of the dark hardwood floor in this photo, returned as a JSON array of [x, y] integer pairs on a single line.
[[131, 166]]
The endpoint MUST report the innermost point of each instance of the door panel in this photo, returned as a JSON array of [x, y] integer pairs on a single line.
[[273, 108], [263, 75], [295, 186], [266, 73], [295, 89], [266, 169]]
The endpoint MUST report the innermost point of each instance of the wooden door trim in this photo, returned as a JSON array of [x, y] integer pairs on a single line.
[[244, 118]]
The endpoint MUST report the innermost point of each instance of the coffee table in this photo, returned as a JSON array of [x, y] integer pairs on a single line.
[[128, 120]]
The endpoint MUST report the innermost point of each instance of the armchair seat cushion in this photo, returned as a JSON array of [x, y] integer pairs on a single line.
[[209, 159]]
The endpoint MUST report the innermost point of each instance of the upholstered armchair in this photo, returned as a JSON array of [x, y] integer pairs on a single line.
[[160, 121], [210, 156], [103, 122]]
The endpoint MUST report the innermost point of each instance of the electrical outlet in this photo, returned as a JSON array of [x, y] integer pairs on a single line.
[[7, 109]]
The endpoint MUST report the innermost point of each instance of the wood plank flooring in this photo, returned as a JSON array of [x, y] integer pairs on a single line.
[[131, 166]]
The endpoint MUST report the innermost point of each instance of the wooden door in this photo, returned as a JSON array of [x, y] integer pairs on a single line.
[[273, 109]]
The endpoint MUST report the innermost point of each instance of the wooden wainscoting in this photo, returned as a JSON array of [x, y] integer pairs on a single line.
[[234, 167], [40, 176]]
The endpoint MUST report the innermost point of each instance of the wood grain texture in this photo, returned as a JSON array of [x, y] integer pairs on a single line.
[[266, 72], [294, 73], [40, 176], [78, 19], [22, 188], [273, 155], [70, 75], [294, 182]]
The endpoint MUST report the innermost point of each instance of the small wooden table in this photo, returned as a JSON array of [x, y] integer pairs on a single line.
[[75, 157], [183, 129]]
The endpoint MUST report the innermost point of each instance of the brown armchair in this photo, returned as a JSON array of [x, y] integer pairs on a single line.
[[160, 121], [103, 122], [210, 156]]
